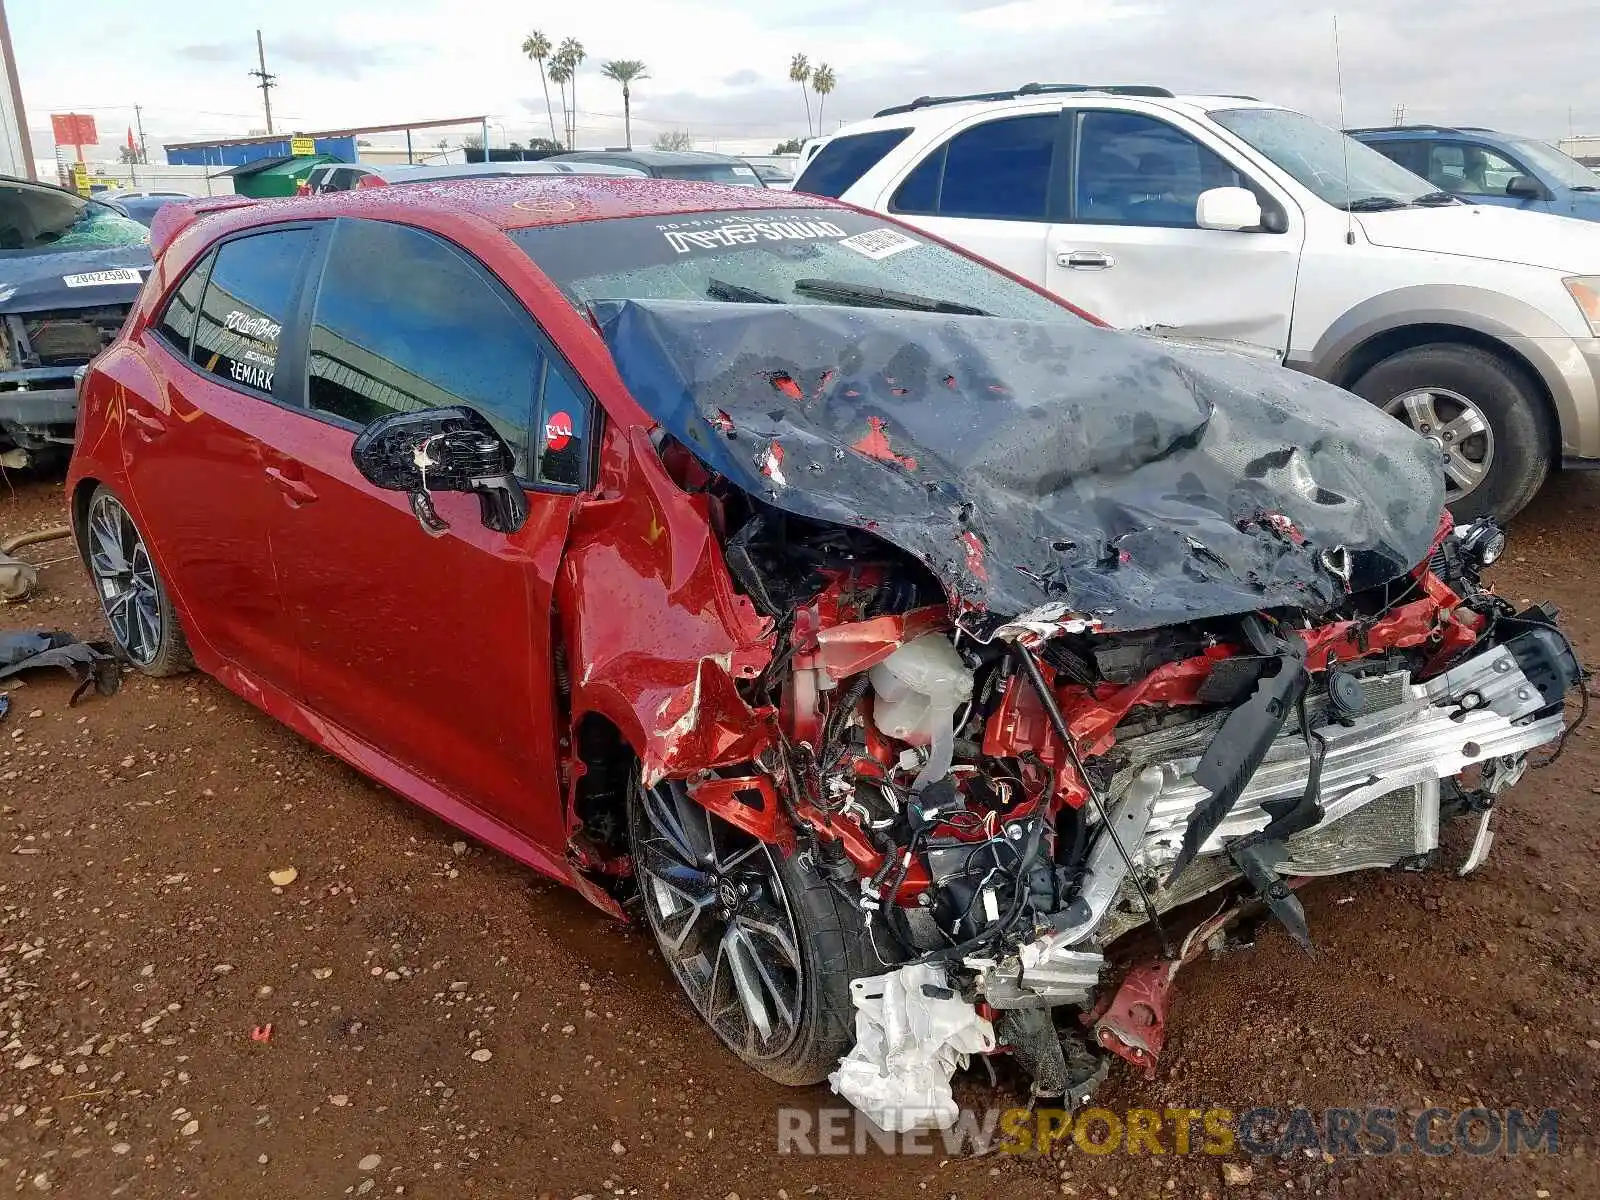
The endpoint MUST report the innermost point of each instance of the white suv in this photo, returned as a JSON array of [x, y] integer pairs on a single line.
[[1223, 217]]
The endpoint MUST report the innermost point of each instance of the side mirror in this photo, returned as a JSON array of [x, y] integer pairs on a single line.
[[443, 450], [1228, 208], [1525, 187]]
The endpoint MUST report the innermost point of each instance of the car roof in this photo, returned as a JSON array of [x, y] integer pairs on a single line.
[[943, 113], [508, 202], [1400, 133], [492, 170], [649, 158]]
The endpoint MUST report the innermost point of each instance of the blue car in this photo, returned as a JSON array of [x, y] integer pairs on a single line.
[[1485, 167]]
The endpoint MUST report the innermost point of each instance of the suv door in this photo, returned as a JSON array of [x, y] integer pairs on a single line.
[[198, 463], [991, 188], [435, 651], [1130, 251]]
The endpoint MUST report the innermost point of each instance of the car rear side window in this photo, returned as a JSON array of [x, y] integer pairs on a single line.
[[846, 159], [246, 303], [998, 170], [178, 321], [405, 322]]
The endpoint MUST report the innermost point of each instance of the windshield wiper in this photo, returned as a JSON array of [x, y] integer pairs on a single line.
[[1375, 204], [1585, 187], [876, 297], [1435, 199], [721, 289]]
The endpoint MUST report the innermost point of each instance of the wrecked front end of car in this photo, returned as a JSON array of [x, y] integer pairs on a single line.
[[1041, 633]]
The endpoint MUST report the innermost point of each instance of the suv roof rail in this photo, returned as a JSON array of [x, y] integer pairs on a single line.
[[1030, 89], [1421, 128]]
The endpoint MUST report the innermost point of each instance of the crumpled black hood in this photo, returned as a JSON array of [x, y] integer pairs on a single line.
[[1032, 464], [33, 282]]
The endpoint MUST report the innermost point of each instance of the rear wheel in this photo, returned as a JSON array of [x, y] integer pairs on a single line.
[[1484, 415], [144, 626], [760, 943]]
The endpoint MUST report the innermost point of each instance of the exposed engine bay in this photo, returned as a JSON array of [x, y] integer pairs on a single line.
[[1001, 792], [1245, 754]]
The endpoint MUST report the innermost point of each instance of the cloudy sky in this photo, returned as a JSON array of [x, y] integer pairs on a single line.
[[719, 68]]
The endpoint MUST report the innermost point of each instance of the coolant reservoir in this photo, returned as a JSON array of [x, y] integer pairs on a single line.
[[916, 692]]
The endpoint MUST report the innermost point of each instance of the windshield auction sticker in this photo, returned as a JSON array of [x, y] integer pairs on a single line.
[[878, 244]]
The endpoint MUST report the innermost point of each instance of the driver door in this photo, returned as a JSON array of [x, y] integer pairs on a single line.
[[1131, 252], [434, 650]]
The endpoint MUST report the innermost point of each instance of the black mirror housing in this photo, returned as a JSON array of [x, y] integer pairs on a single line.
[[1525, 187], [443, 450]]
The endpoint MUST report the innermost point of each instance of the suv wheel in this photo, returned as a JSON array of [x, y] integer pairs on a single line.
[[1484, 415], [762, 945], [144, 626]]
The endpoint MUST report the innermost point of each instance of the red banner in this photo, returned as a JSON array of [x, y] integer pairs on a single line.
[[73, 129]]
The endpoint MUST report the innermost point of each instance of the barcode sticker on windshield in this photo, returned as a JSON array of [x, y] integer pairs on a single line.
[[879, 243]]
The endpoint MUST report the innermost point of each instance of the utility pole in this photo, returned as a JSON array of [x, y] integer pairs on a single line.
[[138, 120], [267, 80]]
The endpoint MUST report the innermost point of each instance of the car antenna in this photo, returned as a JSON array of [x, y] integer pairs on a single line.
[[1338, 75]]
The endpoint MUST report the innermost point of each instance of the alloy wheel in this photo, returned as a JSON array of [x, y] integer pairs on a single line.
[[720, 913], [126, 580], [1457, 427]]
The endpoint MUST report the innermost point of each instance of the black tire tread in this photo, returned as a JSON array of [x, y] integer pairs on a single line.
[[1512, 402], [174, 656]]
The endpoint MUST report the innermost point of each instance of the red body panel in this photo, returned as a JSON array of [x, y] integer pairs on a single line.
[[427, 662]]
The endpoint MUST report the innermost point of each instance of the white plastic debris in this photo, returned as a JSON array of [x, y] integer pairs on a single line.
[[912, 1032]]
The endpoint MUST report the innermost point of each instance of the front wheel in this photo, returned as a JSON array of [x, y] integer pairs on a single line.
[[1484, 415], [761, 944]]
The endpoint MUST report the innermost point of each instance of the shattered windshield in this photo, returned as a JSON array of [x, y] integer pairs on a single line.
[[778, 256], [37, 220]]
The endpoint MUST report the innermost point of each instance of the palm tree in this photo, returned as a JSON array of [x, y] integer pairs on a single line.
[[822, 82], [572, 54], [537, 47], [800, 72], [561, 75], [625, 71]]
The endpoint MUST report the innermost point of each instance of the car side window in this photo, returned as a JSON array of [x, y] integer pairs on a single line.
[[1468, 169], [845, 159], [1137, 170], [246, 302], [178, 321], [1412, 155], [405, 322], [563, 440], [999, 170]]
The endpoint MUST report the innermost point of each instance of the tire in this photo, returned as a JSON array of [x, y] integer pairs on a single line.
[[133, 597], [1444, 391], [829, 946]]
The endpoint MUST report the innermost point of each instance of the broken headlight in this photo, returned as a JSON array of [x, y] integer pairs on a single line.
[[1482, 542]]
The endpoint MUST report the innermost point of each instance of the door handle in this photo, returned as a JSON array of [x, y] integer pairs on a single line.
[[1085, 260], [148, 428], [298, 491]]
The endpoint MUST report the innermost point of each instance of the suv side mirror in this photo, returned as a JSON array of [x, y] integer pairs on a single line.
[[1525, 187], [1228, 208], [443, 450]]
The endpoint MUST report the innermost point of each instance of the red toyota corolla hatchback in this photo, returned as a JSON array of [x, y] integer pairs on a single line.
[[854, 608]]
